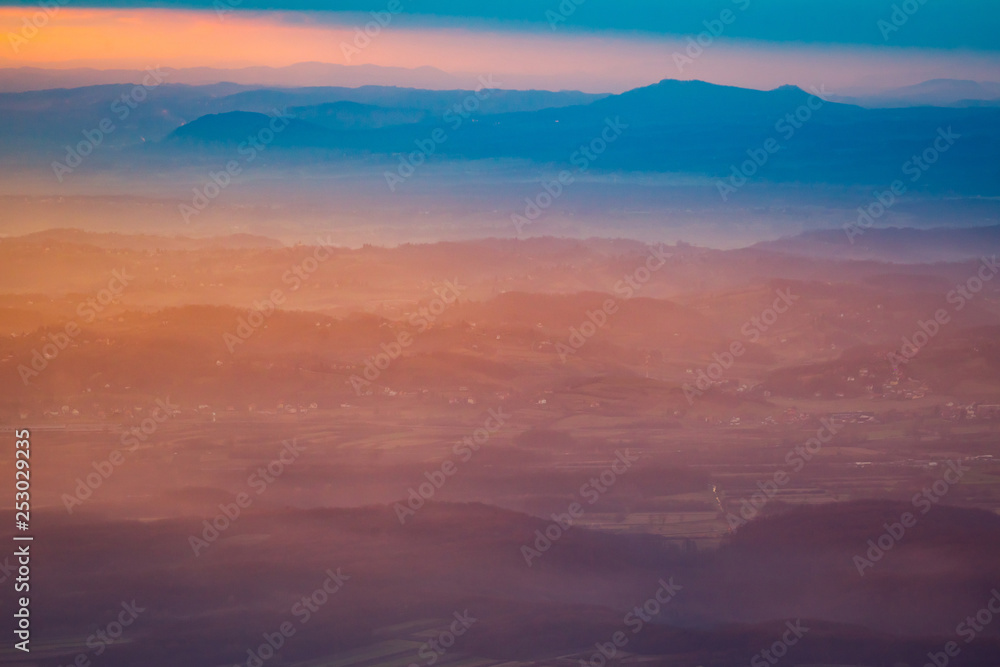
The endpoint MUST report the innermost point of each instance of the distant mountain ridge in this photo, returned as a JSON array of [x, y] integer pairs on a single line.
[[690, 127], [890, 244], [935, 92], [147, 242], [22, 79], [894, 244], [671, 127]]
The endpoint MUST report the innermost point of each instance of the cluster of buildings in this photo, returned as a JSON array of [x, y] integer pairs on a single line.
[[957, 411]]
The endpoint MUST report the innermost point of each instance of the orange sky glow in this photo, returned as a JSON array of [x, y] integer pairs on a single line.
[[137, 38]]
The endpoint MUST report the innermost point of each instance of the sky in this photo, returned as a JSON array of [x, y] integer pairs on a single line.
[[597, 45]]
